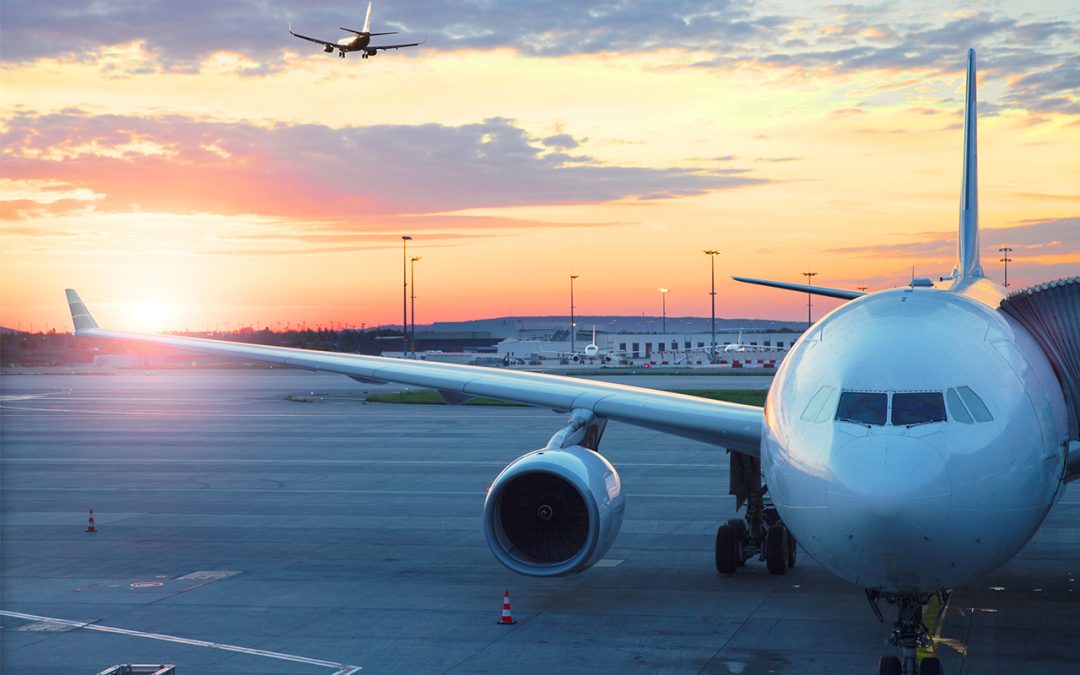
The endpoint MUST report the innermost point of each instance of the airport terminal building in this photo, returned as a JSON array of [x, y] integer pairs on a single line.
[[656, 348]]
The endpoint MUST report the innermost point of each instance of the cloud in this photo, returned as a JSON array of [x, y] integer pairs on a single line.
[[180, 165], [1032, 238], [1033, 53]]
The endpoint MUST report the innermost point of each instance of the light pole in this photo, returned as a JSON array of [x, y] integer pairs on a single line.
[[573, 326], [412, 303], [405, 239], [663, 310], [809, 282], [1006, 250], [712, 292]]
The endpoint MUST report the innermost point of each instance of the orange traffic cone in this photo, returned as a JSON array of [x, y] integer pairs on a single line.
[[90, 527], [506, 619]]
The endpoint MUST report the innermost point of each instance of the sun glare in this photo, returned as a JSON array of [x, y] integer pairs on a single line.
[[148, 316]]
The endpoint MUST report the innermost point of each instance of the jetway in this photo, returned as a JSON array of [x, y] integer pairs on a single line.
[[1051, 313]]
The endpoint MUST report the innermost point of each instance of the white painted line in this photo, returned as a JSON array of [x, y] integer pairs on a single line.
[[341, 668]]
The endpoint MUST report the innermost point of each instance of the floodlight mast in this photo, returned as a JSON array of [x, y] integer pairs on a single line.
[[412, 302], [663, 310], [712, 253], [809, 298], [1006, 259], [405, 239], [573, 326]]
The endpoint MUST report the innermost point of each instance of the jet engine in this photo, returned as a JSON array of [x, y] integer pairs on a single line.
[[327, 48], [554, 512]]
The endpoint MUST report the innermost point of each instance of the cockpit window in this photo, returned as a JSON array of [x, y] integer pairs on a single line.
[[863, 407], [956, 407], [813, 411], [975, 404], [922, 407]]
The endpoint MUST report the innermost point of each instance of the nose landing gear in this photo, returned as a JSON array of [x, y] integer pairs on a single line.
[[910, 634], [762, 533]]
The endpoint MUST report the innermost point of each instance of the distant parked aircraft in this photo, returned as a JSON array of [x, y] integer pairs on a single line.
[[359, 41], [590, 353]]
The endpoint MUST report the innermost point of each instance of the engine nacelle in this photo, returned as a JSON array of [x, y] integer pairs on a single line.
[[553, 512], [327, 48]]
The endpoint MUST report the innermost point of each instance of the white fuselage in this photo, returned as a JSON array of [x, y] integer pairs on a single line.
[[354, 43], [925, 506]]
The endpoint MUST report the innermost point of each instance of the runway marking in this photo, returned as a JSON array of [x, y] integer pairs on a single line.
[[339, 668], [318, 462], [410, 493]]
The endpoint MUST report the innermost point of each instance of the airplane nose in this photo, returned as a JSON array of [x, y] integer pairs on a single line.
[[889, 499]]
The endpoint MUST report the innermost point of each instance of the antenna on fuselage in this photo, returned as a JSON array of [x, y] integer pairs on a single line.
[[967, 246]]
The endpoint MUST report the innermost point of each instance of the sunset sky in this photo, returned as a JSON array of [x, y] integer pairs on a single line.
[[188, 164]]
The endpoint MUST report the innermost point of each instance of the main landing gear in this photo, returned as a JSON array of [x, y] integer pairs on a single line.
[[910, 634], [761, 533]]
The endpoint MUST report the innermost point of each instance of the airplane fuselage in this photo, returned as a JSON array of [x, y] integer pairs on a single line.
[[931, 488], [354, 43]]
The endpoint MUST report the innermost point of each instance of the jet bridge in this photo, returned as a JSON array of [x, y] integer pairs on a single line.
[[1051, 313]]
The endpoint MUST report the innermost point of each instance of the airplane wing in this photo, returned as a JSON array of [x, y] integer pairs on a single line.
[[376, 48], [311, 39], [728, 425], [804, 288]]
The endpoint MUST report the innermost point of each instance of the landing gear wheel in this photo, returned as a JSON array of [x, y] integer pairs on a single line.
[[742, 534], [777, 549], [930, 666], [890, 665], [792, 548], [727, 549]]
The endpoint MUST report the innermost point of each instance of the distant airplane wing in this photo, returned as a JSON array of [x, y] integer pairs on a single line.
[[728, 425], [375, 48], [311, 39]]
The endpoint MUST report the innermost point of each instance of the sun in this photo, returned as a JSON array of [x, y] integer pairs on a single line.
[[148, 316]]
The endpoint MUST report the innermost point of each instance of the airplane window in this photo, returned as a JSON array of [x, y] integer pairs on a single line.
[[911, 408], [862, 407], [956, 407], [817, 401], [975, 404]]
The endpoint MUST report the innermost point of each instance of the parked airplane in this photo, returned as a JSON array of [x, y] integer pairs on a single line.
[[591, 352], [359, 41], [912, 440]]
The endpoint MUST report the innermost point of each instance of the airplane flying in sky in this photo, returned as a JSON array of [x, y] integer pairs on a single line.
[[359, 41], [912, 440]]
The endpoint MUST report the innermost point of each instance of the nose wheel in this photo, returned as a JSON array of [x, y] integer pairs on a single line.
[[909, 634]]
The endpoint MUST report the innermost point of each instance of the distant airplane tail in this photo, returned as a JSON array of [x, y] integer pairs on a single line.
[[367, 19], [968, 267]]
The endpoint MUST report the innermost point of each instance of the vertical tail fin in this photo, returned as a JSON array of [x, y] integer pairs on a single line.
[[367, 19], [967, 248]]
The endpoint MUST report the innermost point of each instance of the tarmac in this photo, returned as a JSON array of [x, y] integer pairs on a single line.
[[241, 532]]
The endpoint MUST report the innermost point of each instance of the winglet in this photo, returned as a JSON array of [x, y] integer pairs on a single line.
[[80, 315], [967, 246]]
